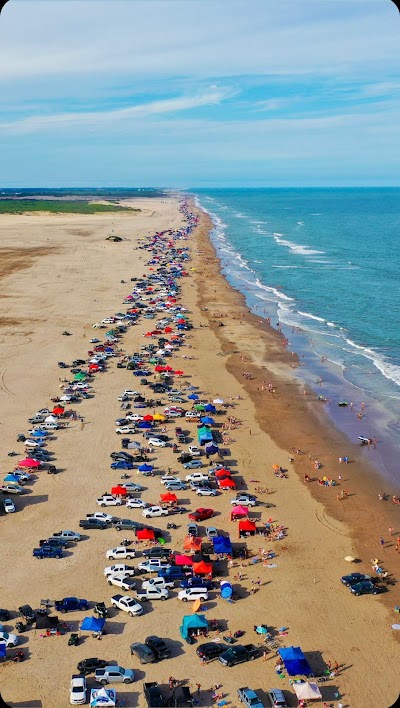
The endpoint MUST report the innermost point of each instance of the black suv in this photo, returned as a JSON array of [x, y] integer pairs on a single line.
[[89, 666], [210, 651], [157, 552]]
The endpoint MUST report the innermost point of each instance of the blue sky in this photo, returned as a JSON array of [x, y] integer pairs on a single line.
[[184, 93]]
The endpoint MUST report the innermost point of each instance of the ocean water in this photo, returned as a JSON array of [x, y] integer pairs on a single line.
[[325, 264]]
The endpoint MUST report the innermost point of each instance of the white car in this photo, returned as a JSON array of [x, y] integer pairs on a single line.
[[109, 500], [121, 581], [194, 450], [108, 320], [167, 478], [128, 429], [77, 693], [119, 569], [206, 492], [192, 414], [197, 477], [120, 552], [9, 506], [193, 594], [127, 604], [100, 515], [136, 504], [129, 392], [173, 413], [134, 417], [11, 640], [161, 583], [156, 442], [154, 511], [246, 499]]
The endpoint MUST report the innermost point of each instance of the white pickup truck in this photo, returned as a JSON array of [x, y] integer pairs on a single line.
[[152, 594], [127, 604], [121, 581]]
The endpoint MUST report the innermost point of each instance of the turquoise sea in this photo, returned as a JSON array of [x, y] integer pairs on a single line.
[[325, 264]]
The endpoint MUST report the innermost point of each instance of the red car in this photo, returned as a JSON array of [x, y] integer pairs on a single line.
[[201, 514]]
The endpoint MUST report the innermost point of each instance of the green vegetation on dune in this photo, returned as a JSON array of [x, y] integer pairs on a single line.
[[18, 206]]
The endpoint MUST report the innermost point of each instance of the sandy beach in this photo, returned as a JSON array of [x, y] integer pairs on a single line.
[[58, 273]]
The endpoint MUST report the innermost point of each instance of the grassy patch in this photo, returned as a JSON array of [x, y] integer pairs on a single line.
[[19, 206]]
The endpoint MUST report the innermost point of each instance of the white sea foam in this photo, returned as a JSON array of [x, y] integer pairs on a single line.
[[296, 247], [389, 370], [311, 317]]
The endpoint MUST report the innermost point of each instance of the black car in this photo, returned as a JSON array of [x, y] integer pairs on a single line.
[[354, 578], [4, 615], [210, 651], [92, 524], [127, 524], [157, 552], [27, 613], [56, 542], [178, 510], [89, 666], [153, 695], [121, 455], [143, 653], [159, 647], [365, 587]]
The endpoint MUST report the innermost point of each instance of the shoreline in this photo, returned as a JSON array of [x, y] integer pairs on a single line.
[[312, 430]]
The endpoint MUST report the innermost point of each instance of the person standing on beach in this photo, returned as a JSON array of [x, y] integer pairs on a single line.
[[382, 542]]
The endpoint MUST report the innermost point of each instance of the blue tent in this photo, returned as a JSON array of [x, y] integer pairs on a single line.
[[93, 624], [39, 434], [295, 661], [210, 408], [192, 622], [207, 420], [3, 649], [193, 397], [145, 468], [211, 448], [222, 544], [145, 424], [11, 478]]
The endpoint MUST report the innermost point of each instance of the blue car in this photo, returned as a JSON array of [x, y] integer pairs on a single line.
[[175, 572], [196, 583], [48, 552], [122, 465]]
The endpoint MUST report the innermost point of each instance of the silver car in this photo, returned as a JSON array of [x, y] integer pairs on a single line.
[[114, 674]]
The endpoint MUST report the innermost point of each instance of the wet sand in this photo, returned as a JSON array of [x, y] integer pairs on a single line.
[[70, 288]]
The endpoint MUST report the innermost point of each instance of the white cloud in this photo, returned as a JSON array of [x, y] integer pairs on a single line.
[[99, 118]]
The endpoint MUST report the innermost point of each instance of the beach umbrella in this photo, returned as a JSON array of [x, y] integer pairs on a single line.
[[193, 397], [145, 468], [196, 606], [350, 559], [29, 462], [226, 590], [261, 630]]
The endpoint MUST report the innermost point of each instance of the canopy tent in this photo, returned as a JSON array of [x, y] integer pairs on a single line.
[[246, 527], [80, 376], [222, 544], [3, 652], [211, 448], [191, 623], [103, 697], [207, 420], [168, 497], [192, 543], [199, 407], [295, 661], [29, 462], [204, 435], [209, 408], [46, 621], [145, 468], [227, 482], [14, 479], [181, 559], [193, 397], [222, 472], [307, 691], [159, 417], [145, 534], [52, 418], [119, 491], [93, 624], [58, 410], [239, 512], [202, 568], [145, 424], [148, 418], [39, 433]]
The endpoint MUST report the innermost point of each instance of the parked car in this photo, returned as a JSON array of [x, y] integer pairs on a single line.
[[193, 593], [125, 429], [211, 532], [153, 695], [122, 465], [120, 552], [194, 451], [77, 691], [92, 524], [365, 587], [172, 572], [206, 492], [143, 653], [152, 593], [9, 506], [152, 511], [26, 612], [175, 486], [71, 604], [136, 504], [67, 535], [5, 615], [121, 581], [193, 582], [193, 465], [101, 516], [157, 552], [122, 455], [161, 583], [114, 674], [159, 647], [127, 604], [201, 514], [210, 651], [130, 486], [88, 666], [156, 442], [153, 565], [119, 569], [197, 477], [127, 525], [11, 640], [11, 489], [245, 499], [249, 698], [354, 578], [169, 479], [276, 698], [238, 653], [109, 500], [192, 530], [48, 552]]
